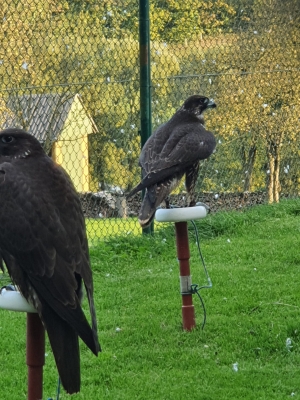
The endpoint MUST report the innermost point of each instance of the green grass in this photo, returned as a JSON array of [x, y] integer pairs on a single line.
[[253, 259], [114, 227], [110, 227]]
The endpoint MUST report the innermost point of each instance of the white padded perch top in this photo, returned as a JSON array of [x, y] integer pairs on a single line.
[[13, 300], [181, 214]]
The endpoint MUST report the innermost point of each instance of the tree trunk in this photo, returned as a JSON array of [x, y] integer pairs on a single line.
[[271, 178], [274, 167], [276, 188]]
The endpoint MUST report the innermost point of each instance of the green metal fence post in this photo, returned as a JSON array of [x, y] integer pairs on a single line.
[[145, 79]]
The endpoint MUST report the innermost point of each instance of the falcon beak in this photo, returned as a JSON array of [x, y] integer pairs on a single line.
[[211, 104]]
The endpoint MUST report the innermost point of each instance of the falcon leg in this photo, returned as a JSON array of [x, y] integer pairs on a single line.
[[192, 202], [191, 176], [190, 199], [167, 201], [168, 205]]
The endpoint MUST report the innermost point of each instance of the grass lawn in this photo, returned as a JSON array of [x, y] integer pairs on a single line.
[[253, 259]]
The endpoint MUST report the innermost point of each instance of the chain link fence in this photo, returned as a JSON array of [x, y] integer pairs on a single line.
[[69, 74]]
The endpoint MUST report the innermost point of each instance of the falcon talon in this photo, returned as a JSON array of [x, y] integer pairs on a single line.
[[199, 203], [172, 151], [9, 288]]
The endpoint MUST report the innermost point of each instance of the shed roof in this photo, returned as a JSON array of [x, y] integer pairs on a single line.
[[42, 115]]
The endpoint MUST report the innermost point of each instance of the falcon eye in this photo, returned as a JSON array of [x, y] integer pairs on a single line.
[[7, 139]]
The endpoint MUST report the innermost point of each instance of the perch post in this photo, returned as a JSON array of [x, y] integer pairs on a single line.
[[11, 299], [183, 255], [180, 216], [35, 356]]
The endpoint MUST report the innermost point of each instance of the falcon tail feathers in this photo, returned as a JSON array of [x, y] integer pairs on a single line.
[[73, 316], [79, 324], [94, 322], [159, 178], [139, 187], [148, 208], [154, 196], [145, 223], [65, 346]]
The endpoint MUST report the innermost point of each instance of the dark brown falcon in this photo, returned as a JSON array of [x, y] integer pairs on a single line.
[[173, 150], [44, 246]]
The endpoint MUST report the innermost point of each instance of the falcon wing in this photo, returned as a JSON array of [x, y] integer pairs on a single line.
[[186, 145], [43, 240]]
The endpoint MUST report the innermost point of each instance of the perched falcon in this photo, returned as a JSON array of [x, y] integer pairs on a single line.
[[173, 150], [44, 246]]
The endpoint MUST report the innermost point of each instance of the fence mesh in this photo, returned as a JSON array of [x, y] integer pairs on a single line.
[[69, 73]]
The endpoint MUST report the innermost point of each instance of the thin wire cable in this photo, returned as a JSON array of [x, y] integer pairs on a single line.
[[196, 288], [209, 285]]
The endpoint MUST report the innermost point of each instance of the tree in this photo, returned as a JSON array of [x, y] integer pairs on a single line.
[[243, 53], [254, 75]]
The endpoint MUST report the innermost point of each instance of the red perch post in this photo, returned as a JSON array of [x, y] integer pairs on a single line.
[[35, 356], [183, 254]]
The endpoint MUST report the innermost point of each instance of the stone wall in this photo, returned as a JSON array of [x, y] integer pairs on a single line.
[[107, 205]]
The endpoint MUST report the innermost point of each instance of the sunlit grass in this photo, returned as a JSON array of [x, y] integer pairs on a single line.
[[110, 227], [253, 259], [114, 227]]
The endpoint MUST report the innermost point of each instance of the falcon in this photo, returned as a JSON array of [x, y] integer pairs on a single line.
[[44, 246], [172, 151]]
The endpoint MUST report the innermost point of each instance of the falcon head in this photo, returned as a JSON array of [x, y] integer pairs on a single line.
[[16, 143], [197, 104]]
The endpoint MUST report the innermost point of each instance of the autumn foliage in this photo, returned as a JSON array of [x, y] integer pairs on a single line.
[[243, 53]]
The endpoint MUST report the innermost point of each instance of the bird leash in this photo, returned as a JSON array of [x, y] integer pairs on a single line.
[[195, 288]]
